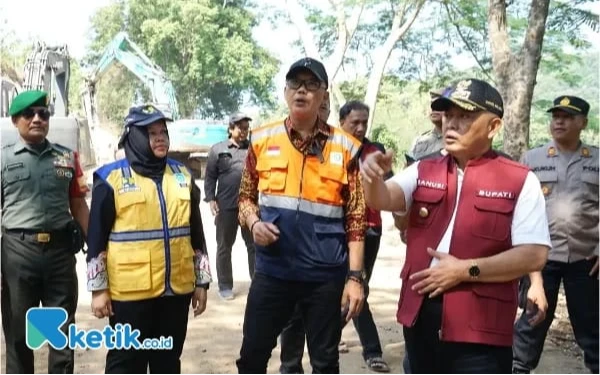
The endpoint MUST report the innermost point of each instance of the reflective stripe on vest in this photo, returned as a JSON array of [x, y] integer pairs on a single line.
[[290, 203], [145, 235]]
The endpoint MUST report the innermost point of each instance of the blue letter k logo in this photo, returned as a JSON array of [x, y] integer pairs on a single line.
[[43, 324]]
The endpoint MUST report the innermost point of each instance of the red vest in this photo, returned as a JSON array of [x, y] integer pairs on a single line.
[[472, 311]]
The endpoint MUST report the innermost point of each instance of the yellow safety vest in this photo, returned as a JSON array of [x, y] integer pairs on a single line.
[[150, 245]]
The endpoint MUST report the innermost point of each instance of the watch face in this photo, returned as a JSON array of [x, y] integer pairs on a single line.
[[474, 271]]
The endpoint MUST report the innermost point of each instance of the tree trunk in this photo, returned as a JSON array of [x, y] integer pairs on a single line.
[[399, 28], [516, 72]]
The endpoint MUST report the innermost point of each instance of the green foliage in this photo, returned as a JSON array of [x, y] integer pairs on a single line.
[[205, 47], [403, 112], [75, 85], [385, 136], [466, 21]]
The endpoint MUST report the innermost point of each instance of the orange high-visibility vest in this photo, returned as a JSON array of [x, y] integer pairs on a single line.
[[302, 195]]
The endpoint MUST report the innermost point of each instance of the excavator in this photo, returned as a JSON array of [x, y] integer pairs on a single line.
[[190, 139], [48, 68]]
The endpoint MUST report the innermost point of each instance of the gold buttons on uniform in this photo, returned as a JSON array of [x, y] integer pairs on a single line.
[[423, 212], [585, 152], [546, 190]]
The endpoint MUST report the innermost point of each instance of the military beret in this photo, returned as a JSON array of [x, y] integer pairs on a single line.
[[26, 99]]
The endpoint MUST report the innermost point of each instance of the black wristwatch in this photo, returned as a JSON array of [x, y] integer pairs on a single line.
[[474, 270], [360, 276]]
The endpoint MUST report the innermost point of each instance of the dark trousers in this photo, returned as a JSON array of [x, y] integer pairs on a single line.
[[270, 305], [292, 337], [227, 227], [581, 291], [428, 355], [163, 316], [34, 272]]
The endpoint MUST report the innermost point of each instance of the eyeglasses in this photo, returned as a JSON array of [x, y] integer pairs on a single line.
[[43, 113], [310, 84]]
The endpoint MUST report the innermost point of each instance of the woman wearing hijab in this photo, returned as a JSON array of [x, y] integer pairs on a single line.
[[147, 254]]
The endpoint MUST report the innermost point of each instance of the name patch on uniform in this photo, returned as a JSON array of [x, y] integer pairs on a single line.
[[431, 184], [12, 166], [496, 194], [180, 178], [544, 168], [128, 186], [587, 168], [273, 151], [62, 172], [336, 158]]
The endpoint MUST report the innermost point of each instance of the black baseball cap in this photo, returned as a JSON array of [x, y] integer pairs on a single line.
[[308, 63], [471, 95], [570, 104]]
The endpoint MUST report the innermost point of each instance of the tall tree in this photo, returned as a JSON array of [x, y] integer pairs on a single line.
[[404, 15], [391, 23], [516, 71], [511, 40], [205, 47]]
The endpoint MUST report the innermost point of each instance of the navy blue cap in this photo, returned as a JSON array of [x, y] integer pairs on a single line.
[[144, 115]]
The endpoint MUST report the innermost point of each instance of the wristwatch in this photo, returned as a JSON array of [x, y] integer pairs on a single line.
[[359, 276], [474, 270]]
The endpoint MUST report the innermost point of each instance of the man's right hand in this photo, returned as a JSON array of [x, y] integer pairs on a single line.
[[265, 233], [101, 304], [537, 305], [376, 165], [214, 207]]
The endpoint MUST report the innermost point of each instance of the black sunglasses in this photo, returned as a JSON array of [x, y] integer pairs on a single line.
[[43, 113], [310, 84]]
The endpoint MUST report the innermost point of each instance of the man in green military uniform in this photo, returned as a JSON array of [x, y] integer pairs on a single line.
[[43, 214]]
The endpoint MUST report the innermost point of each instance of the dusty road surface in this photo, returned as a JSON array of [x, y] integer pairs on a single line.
[[214, 338]]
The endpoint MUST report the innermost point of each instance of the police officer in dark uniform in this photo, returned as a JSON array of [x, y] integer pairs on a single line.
[[43, 215], [568, 172], [221, 187]]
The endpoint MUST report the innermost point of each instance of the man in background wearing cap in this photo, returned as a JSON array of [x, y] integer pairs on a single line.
[[568, 171], [476, 225], [43, 213], [302, 199], [221, 187], [431, 140]]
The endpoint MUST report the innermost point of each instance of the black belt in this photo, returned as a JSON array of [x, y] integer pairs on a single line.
[[41, 237]]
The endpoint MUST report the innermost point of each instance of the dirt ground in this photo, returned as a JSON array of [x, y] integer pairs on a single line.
[[214, 338]]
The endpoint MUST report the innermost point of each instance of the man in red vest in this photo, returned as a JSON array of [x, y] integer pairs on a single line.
[[476, 224]]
